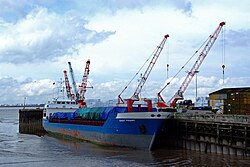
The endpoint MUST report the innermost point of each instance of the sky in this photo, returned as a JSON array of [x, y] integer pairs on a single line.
[[39, 37]]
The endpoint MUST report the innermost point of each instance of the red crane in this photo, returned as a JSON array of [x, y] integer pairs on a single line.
[[143, 79], [147, 72], [67, 85], [179, 94], [83, 86], [150, 67]]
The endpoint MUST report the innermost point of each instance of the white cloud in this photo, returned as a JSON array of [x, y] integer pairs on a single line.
[[118, 37], [37, 88], [14, 91], [205, 85], [44, 35], [135, 39], [39, 91]]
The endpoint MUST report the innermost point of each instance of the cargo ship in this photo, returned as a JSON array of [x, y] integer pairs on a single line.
[[135, 123], [136, 127]]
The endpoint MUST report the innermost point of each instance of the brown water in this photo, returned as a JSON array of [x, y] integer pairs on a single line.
[[32, 151]]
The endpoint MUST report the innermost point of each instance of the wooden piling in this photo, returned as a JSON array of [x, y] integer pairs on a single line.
[[30, 121]]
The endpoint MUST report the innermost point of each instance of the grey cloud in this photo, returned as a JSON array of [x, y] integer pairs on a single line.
[[8, 82], [240, 38], [49, 37], [99, 36], [115, 5], [187, 8], [13, 91], [8, 88], [10, 10], [13, 11]]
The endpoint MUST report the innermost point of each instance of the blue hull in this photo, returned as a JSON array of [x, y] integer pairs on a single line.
[[135, 129]]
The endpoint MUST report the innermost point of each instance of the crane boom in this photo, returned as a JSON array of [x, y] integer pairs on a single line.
[[67, 85], [156, 54], [73, 82], [84, 85], [212, 38]]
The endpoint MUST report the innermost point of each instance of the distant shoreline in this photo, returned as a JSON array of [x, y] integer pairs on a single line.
[[28, 105]]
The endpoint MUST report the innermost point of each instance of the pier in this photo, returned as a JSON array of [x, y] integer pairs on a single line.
[[30, 121], [211, 133]]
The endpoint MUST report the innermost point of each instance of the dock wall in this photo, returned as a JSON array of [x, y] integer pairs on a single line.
[[30, 121], [221, 134]]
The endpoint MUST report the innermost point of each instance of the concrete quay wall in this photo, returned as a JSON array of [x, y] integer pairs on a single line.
[[221, 134]]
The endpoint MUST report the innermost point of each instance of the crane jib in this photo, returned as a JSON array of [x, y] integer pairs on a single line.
[[198, 62], [149, 68]]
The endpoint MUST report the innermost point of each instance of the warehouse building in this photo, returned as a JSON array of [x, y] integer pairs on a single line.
[[231, 100]]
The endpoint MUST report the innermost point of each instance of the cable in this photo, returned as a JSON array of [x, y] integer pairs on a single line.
[[223, 54], [137, 73], [167, 59], [184, 65]]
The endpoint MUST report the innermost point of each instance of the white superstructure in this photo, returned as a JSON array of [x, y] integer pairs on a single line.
[[59, 105]]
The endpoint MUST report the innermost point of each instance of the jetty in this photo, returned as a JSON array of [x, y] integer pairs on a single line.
[[212, 133], [31, 122]]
